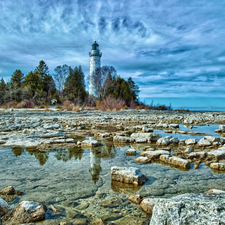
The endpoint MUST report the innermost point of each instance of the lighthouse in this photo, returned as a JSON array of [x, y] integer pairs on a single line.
[[95, 63]]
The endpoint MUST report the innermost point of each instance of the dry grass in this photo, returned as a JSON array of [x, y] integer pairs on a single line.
[[76, 108], [110, 103]]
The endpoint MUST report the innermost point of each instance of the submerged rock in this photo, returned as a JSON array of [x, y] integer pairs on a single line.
[[183, 209], [129, 175]]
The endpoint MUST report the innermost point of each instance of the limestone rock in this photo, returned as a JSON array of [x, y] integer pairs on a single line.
[[163, 141], [122, 139], [143, 159], [3, 208], [148, 203], [8, 190], [217, 154], [154, 154], [175, 161], [141, 140], [26, 212], [183, 209], [131, 152], [217, 166], [53, 209], [129, 175], [204, 142], [215, 191], [222, 128], [137, 199], [149, 136], [50, 126], [89, 143], [191, 141]]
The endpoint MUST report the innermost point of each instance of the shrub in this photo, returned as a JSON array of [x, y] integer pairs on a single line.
[[30, 105], [110, 103]]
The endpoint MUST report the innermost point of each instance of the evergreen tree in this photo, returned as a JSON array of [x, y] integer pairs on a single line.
[[33, 80], [17, 78], [134, 89], [2, 91], [75, 85]]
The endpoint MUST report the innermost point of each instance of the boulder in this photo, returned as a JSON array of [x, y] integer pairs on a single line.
[[204, 142], [217, 166], [131, 152], [191, 141], [154, 154], [142, 159], [8, 190], [89, 143], [175, 161], [129, 175], [122, 139], [26, 212], [198, 209], [149, 136], [217, 154], [3, 208]]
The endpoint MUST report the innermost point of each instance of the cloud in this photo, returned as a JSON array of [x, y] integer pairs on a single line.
[[170, 48]]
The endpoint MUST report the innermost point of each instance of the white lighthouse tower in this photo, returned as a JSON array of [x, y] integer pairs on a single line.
[[95, 63]]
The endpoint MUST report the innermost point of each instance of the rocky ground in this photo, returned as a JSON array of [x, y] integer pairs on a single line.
[[153, 141]]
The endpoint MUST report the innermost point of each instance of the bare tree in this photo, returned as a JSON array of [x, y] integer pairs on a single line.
[[61, 72], [101, 77]]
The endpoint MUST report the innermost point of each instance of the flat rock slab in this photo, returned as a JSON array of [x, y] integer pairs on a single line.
[[131, 175], [122, 139], [217, 154], [143, 159], [176, 161], [184, 209], [149, 136], [89, 143], [154, 154]]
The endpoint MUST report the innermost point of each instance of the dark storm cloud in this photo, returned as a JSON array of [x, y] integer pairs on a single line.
[[168, 47]]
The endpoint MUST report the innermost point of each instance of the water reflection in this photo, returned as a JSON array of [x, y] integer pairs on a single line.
[[104, 152], [17, 151]]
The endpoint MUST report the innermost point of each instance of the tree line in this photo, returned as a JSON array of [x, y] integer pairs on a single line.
[[66, 83]]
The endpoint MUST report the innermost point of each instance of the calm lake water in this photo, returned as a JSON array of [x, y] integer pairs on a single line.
[[78, 174]]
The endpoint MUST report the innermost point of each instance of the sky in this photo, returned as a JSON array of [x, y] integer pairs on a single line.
[[171, 48]]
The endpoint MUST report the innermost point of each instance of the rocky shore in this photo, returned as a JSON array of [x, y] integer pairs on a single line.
[[162, 144]]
